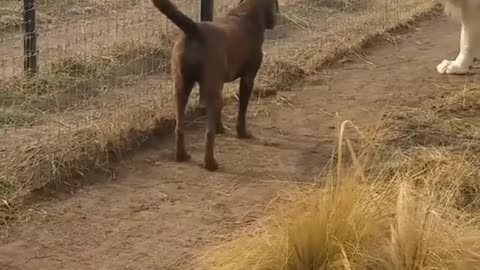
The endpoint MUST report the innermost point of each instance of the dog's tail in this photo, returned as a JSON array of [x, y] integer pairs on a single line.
[[187, 25]]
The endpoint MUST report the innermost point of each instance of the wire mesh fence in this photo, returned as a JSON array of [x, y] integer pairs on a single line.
[[89, 28], [92, 52], [83, 49], [81, 29]]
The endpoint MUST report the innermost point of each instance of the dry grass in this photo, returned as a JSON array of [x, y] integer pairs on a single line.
[[448, 121], [408, 201], [56, 12], [73, 148], [368, 217], [343, 5], [75, 80], [443, 134], [11, 118]]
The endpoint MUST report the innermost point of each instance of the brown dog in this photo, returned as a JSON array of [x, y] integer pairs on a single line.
[[211, 54]]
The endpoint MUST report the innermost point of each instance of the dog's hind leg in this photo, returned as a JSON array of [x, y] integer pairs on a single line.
[[183, 88], [219, 127], [203, 105], [212, 91], [246, 89]]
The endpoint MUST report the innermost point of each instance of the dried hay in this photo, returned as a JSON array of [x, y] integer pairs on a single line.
[[365, 219]]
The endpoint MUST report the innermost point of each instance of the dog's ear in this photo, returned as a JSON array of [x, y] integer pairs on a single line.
[[271, 14]]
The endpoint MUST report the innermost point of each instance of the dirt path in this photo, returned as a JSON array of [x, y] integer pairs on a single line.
[[156, 213]]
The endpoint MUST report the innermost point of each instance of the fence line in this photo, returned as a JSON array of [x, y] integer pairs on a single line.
[[80, 29], [94, 49], [30, 37]]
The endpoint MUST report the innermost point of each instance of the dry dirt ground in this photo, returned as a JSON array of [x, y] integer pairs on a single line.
[[155, 214]]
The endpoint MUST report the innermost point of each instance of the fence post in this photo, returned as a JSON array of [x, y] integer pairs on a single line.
[[206, 10], [29, 38]]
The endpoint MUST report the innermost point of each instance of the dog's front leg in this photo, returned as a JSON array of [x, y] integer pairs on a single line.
[[469, 49], [246, 89]]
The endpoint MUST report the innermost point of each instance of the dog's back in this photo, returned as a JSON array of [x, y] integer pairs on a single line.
[[191, 55], [229, 42]]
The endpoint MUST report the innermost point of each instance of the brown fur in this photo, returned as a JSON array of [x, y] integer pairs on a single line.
[[211, 54]]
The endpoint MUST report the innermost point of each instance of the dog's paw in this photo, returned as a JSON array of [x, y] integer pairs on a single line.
[[243, 134], [182, 156], [210, 165], [451, 67]]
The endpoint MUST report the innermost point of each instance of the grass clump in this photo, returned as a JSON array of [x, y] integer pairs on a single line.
[[6, 187], [10, 15], [449, 120], [279, 75], [70, 81], [316, 232], [57, 12], [9, 22], [427, 233], [358, 227], [76, 79], [337, 4], [9, 118], [365, 219]]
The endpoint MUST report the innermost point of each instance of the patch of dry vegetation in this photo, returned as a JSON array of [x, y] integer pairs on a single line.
[[54, 12], [74, 148], [393, 209], [408, 201], [75, 80], [338, 4], [449, 121], [445, 131]]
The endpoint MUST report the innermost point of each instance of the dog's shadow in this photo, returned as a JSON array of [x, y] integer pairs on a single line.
[[306, 159]]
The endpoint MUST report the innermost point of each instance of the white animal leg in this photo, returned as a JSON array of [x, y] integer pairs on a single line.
[[469, 43]]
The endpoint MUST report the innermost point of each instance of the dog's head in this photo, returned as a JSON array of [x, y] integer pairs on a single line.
[[267, 10]]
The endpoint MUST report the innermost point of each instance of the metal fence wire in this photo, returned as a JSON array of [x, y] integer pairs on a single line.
[[84, 29], [81, 51]]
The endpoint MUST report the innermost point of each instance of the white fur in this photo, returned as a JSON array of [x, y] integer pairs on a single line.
[[468, 12]]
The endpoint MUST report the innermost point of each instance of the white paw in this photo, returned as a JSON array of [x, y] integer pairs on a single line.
[[450, 67]]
